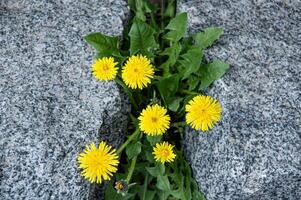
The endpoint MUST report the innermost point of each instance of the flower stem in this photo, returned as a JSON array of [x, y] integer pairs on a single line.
[[128, 141], [131, 170]]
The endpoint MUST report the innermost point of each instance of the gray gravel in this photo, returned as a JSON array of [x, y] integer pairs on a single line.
[[255, 152], [50, 105]]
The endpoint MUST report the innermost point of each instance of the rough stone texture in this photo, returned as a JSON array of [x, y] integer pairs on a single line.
[[255, 152], [50, 105]]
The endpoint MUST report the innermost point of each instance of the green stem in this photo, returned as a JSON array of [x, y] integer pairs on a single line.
[[154, 95], [131, 170], [128, 141], [145, 187]]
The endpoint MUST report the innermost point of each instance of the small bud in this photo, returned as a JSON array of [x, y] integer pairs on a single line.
[[121, 186]]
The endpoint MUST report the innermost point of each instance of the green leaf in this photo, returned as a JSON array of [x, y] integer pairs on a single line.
[[173, 54], [211, 72], [179, 194], [150, 195], [147, 152], [154, 139], [105, 45], [111, 193], [198, 196], [208, 36], [170, 9], [144, 193], [193, 82], [140, 7], [140, 168], [191, 61], [187, 98], [142, 38], [187, 43], [168, 87], [178, 178], [158, 170], [163, 183], [133, 149], [174, 105], [187, 189], [177, 27], [163, 195]]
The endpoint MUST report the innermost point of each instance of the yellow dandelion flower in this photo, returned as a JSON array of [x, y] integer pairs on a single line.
[[163, 152], [137, 72], [98, 163], [154, 120], [105, 69], [203, 112]]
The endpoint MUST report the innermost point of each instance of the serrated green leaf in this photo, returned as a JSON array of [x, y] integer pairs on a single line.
[[140, 7], [179, 194], [140, 168], [170, 9], [187, 189], [211, 72], [168, 87], [191, 61], [163, 195], [187, 43], [105, 45], [175, 104], [163, 183], [193, 82], [142, 38], [158, 170], [208, 37], [198, 195], [173, 54], [177, 28], [150, 195], [178, 178], [153, 139], [147, 152], [133, 149]]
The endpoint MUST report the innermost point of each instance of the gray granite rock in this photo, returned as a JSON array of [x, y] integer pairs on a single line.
[[255, 152], [50, 105]]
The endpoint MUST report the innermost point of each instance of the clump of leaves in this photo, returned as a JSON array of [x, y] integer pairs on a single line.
[[181, 73]]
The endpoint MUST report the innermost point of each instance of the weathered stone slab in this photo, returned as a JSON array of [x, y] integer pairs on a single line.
[[50, 105], [255, 152]]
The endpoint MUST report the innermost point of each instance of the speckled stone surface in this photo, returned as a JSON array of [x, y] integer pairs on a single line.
[[255, 152], [50, 105]]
